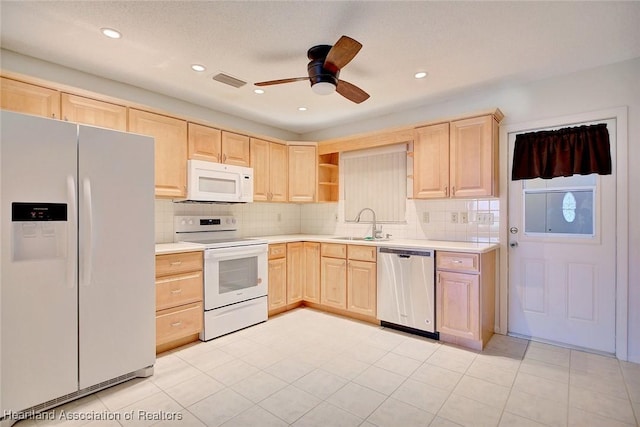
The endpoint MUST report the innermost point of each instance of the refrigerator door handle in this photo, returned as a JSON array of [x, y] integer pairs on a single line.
[[73, 215], [88, 235]]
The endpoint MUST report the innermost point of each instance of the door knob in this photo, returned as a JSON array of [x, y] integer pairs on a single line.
[[513, 244]]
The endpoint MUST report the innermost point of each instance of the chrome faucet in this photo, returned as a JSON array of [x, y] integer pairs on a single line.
[[375, 233]]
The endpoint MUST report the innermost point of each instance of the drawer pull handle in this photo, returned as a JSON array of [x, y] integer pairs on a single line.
[[457, 261], [176, 291], [176, 263], [176, 324]]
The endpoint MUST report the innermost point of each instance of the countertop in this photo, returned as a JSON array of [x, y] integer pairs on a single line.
[[441, 245]]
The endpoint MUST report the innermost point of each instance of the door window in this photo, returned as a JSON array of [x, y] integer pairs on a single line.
[[560, 206]]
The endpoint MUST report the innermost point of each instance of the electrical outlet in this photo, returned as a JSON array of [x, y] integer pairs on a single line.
[[485, 218], [336, 217], [464, 217], [454, 216], [425, 217], [279, 217]]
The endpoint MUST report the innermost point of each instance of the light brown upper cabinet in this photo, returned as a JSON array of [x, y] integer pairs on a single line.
[[29, 99], [431, 162], [235, 149], [302, 173], [456, 159], [170, 150], [89, 111], [214, 145], [269, 163], [205, 143]]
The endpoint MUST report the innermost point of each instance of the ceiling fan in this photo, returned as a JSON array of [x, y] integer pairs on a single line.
[[324, 68]]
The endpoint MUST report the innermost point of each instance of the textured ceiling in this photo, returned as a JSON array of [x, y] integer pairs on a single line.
[[464, 46]]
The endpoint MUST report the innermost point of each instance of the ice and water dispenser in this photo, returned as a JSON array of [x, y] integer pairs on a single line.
[[39, 231]]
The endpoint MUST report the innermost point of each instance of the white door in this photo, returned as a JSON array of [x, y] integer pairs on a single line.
[[117, 254], [562, 257]]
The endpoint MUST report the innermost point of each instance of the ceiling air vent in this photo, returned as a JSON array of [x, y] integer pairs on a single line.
[[228, 80]]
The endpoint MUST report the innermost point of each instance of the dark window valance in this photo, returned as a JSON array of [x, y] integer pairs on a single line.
[[581, 150]]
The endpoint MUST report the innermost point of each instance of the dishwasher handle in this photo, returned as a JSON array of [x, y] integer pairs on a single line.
[[407, 253]]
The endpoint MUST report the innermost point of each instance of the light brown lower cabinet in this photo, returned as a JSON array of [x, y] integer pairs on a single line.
[[294, 275], [465, 297], [295, 272], [311, 285], [349, 279], [333, 282], [277, 292], [179, 299]]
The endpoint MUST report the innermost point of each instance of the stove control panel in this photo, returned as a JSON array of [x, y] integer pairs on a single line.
[[192, 224]]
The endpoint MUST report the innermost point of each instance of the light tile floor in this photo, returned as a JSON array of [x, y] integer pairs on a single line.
[[309, 368]]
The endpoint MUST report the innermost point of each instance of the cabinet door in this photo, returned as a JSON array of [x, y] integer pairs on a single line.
[[235, 149], [29, 99], [458, 304], [260, 165], [302, 173], [311, 275], [278, 172], [277, 295], [295, 271], [474, 157], [170, 150], [89, 111], [204, 143], [333, 284], [431, 162], [362, 287]]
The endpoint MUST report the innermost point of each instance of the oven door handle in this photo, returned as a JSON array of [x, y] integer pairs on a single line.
[[234, 253]]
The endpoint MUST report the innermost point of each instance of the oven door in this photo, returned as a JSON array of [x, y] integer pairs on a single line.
[[234, 274]]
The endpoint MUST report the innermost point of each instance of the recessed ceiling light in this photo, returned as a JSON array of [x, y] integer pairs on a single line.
[[420, 75], [302, 108], [258, 91], [111, 33], [198, 67]]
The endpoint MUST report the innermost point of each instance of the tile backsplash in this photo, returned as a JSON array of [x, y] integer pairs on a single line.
[[425, 219]]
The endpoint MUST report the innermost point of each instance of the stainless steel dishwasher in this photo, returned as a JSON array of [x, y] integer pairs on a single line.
[[406, 291]]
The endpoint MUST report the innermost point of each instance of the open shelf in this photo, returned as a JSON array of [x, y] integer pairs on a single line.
[[328, 177]]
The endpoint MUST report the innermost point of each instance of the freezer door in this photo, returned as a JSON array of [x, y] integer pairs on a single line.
[[116, 254], [38, 261]]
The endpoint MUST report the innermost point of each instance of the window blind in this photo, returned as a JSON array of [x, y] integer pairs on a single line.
[[376, 179]]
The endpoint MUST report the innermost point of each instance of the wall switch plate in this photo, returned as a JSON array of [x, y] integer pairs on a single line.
[[464, 217], [425, 217], [454, 216]]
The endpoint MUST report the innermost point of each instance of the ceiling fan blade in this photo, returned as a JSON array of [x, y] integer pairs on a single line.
[[277, 82], [341, 53], [351, 92]]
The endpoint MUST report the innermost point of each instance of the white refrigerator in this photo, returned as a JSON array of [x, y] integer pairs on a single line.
[[77, 261]]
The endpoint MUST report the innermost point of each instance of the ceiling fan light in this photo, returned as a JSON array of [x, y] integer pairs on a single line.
[[323, 88]]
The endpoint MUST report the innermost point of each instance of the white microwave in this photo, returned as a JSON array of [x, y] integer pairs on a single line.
[[217, 182]]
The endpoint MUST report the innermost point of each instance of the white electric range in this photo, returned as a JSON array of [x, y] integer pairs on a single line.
[[235, 273]]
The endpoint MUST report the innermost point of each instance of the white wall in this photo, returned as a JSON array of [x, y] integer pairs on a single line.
[[601, 88]]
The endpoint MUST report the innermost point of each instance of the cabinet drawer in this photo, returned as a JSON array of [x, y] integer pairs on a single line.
[[178, 263], [178, 322], [333, 250], [179, 289], [277, 251], [362, 253], [458, 261]]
